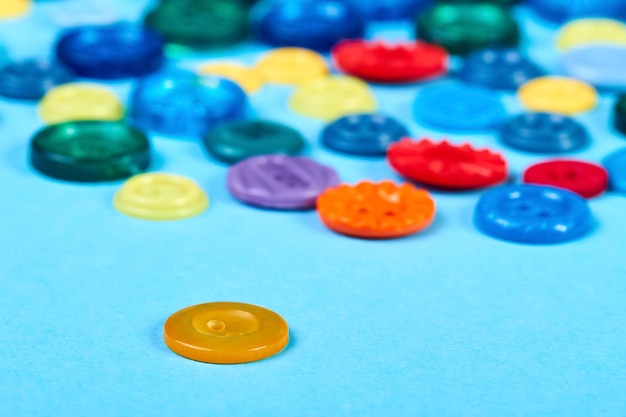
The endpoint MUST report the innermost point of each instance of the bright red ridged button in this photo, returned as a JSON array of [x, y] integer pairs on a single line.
[[583, 178], [390, 63], [444, 165]]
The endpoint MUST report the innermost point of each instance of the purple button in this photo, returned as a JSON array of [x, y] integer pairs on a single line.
[[280, 181]]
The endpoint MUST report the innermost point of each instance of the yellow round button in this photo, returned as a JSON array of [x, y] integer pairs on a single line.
[[558, 95], [332, 97], [585, 31], [14, 8], [292, 66], [226, 333], [246, 77], [158, 196], [80, 101]]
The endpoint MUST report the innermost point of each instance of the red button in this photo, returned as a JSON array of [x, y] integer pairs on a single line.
[[585, 179], [381, 62], [446, 165]]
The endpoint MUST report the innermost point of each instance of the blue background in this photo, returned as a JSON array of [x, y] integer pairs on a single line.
[[448, 322]]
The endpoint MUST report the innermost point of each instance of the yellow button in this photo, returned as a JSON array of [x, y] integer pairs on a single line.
[[246, 77], [14, 8], [292, 66], [585, 31], [332, 97], [158, 196], [226, 333], [80, 101], [558, 95]]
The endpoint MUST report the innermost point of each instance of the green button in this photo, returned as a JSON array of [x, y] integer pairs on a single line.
[[619, 114], [500, 2], [463, 28], [90, 151], [233, 142]]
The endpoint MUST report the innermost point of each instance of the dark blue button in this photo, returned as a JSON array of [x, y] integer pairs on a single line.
[[615, 164], [363, 134], [180, 103], [533, 214], [561, 10], [312, 24], [111, 52], [31, 79], [544, 133], [505, 69], [390, 9]]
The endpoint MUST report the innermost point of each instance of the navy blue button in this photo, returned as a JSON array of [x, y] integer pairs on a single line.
[[181, 103], [363, 134], [544, 133], [533, 214], [312, 24], [31, 79], [111, 52], [561, 10], [505, 68], [459, 107], [615, 164], [390, 9]]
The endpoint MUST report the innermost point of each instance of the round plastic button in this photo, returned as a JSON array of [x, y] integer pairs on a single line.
[[558, 95], [376, 210], [462, 28], [447, 166], [561, 10], [533, 214], [158, 196], [280, 182], [332, 97], [600, 65], [505, 69], [363, 134], [10, 9], [79, 101], [456, 106], [70, 13], [311, 24], [390, 9], [291, 66], [111, 52], [30, 79], [619, 114], [615, 164], [226, 333], [246, 78], [90, 151], [181, 103], [583, 32], [386, 63], [233, 142], [585, 179]]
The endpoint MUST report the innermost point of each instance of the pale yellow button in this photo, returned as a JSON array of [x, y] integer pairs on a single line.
[[332, 97], [80, 101], [246, 77], [159, 196], [292, 66], [14, 8], [558, 95], [588, 31]]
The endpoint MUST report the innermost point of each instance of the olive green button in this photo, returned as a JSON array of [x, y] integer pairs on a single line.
[[90, 151], [463, 28], [233, 142]]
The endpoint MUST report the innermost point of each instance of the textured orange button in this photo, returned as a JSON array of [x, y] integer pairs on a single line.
[[226, 332], [376, 210]]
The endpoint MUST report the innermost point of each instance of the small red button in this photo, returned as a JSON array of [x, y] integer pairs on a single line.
[[585, 179]]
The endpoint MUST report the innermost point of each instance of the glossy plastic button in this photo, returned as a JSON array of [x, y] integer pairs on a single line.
[[615, 164], [111, 52], [332, 97], [233, 142], [158, 196], [10, 9], [583, 178], [90, 151], [226, 333], [600, 65], [619, 114], [379, 61], [544, 133], [78, 101], [584, 32], [533, 214], [446, 165], [363, 134], [455, 106], [280, 182], [382, 210], [247, 78], [500, 68], [291, 66], [558, 95], [31, 79], [390, 9]]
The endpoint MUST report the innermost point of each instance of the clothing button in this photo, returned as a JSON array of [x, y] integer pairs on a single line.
[[619, 114], [31, 80], [389, 9], [583, 178], [291, 66], [615, 164], [558, 95], [80, 101], [587, 31], [499, 68], [11, 9]]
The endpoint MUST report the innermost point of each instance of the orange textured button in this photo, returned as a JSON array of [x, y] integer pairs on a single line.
[[376, 210], [226, 332]]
